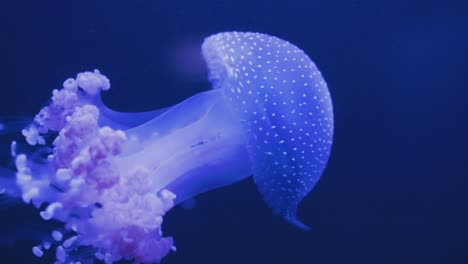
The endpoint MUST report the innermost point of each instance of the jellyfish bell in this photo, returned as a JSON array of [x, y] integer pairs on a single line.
[[285, 103], [110, 177]]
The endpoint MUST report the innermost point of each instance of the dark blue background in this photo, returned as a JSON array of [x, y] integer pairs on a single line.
[[395, 190]]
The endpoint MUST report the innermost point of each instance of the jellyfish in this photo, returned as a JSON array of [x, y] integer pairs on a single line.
[[109, 177]]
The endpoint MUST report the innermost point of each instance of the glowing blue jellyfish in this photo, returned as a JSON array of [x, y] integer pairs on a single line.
[[110, 177]]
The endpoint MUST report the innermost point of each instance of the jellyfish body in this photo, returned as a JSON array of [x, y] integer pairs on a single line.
[[110, 177], [281, 95]]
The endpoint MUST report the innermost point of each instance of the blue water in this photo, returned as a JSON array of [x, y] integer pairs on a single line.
[[395, 189]]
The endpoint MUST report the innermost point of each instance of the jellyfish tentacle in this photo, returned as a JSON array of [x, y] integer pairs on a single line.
[[9, 192], [122, 120], [13, 124], [196, 146]]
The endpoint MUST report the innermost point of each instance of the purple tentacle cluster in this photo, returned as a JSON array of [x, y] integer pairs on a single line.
[[113, 210]]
